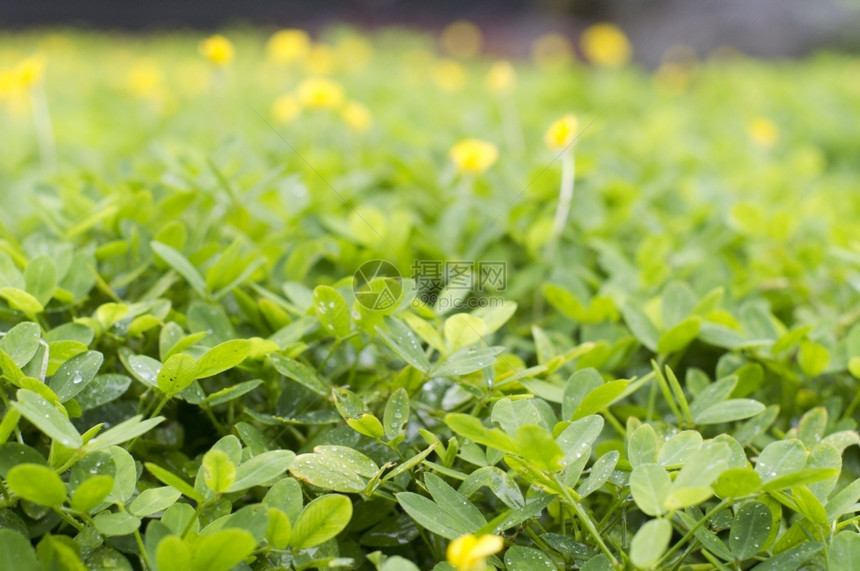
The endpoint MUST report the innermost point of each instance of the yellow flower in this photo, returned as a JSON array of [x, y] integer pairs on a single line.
[[286, 108], [469, 553], [217, 49], [474, 156], [461, 39], [321, 93], [552, 51], [449, 75], [320, 60], [144, 79], [561, 133], [29, 71], [356, 116], [501, 77], [763, 132], [287, 46], [606, 45]]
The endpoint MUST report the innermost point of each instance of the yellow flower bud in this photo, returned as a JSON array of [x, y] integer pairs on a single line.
[[605, 44], [286, 108], [501, 78], [321, 60], [287, 46], [561, 133], [144, 79], [356, 116], [474, 156], [469, 553], [320, 93], [217, 49], [763, 132]]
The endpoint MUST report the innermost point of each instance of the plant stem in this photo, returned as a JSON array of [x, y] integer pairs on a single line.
[[693, 530], [586, 521], [44, 127], [565, 197]]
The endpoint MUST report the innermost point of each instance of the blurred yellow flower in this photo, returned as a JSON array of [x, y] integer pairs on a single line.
[[217, 49], [144, 79], [605, 44], [320, 93], [286, 108], [356, 116], [763, 132], [461, 39], [501, 77], [29, 71], [469, 553], [552, 51], [320, 60], [474, 156], [561, 133], [287, 46], [449, 75]]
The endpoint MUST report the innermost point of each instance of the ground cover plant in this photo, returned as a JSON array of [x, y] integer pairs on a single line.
[[368, 303]]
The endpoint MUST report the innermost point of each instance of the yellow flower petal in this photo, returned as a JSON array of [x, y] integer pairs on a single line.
[[286, 108], [217, 49], [561, 133], [450, 75], [287, 46], [763, 132], [356, 116], [469, 553], [605, 44], [320, 93], [474, 156], [501, 77], [552, 51]]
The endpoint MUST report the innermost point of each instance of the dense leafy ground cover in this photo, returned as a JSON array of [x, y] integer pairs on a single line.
[[189, 381]]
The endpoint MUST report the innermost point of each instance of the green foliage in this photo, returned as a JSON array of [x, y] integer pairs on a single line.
[[188, 380]]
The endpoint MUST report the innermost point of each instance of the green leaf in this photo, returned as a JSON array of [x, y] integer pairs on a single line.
[[75, 374], [692, 484], [472, 428], [737, 483], [640, 326], [396, 414], [750, 529], [649, 484], [153, 500], [279, 530], [537, 446], [428, 515], [22, 342], [729, 411], [643, 446], [791, 558], [844, 551], [91, 492], [299, 372], [578, 386], [813, 358], [16, 552], [47, 418], [780, 458], [600, 473], [176, 374], [465, 361], [600, 398], [528, 559], [173, 554], [262, 469], [328, 472], [40, 279], [232, 392], [22, 301], [332, 310], [321, 520], [454, 503], [166, 477], [182, 266], [801, 477], [222, 357], [123, 432], [650, 542], [679, 336], [222, 550], [403, 342], [680, 448], [36, 483], [462, 330], [219, 472]]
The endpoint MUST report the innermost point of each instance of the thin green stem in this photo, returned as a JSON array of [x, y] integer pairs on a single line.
[[586, 521], [694, 529], [565, 197]]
